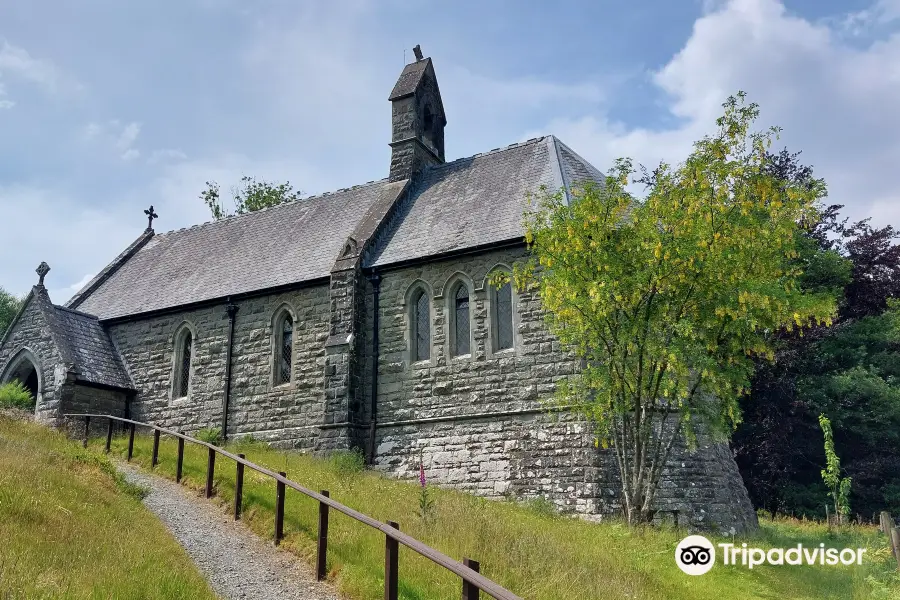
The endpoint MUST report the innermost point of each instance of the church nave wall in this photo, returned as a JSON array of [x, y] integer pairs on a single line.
[[286, 415], [479, 423]]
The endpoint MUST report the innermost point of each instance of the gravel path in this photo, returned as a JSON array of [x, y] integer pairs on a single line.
[[238, 564]]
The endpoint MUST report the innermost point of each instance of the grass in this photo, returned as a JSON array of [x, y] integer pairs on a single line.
[[525, 548], [71, 527]]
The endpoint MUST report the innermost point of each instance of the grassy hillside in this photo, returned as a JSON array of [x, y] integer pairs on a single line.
[[71, 528], [527, 549]]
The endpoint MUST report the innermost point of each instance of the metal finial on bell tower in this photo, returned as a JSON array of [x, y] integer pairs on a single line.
[[42, 271]]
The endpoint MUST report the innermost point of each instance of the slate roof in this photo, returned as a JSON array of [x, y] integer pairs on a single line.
[[86, 345], [290, 243], [467, 203], [409, 79], [480, 200]]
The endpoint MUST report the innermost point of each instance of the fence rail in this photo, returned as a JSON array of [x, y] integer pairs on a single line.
[[467, 570]]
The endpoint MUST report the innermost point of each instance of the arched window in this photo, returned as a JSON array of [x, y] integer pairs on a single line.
[[503, 317], [285, 345], [420, 338], [184, 351], [461, 332]]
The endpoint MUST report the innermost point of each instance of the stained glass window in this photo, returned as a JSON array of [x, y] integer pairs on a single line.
[[461, 321], [184, 374], [503, 317], [422, 328], [285, 351]]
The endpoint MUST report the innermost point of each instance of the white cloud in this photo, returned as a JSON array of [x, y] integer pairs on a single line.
[[117, 137], [4, 102], [836, 102], [166, 154], [60, 296], [16, 62], [46, 224]]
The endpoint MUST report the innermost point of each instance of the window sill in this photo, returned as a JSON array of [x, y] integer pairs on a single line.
[[505, 353]]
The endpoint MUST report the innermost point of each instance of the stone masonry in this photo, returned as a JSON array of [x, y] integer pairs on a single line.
[[480, 422], [288, 415]]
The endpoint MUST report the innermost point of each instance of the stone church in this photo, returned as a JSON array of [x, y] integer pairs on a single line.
[[358, 318]]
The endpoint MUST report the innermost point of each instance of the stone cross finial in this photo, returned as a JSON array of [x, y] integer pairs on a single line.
[[418, 52], [42, 271], [150, 216]]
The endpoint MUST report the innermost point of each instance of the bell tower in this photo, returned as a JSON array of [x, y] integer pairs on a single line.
[[417, 120]]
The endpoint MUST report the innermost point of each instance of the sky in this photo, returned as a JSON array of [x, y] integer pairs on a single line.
[[107, 107]]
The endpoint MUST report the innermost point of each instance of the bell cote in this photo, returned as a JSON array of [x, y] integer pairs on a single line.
[[417, 120]]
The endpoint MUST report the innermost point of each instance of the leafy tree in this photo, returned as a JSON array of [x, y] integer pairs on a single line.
[[841, 370], [251, 195], [876, 268], [9, 307], [838, 487], [775, 441], [669, 299], [853, 375]]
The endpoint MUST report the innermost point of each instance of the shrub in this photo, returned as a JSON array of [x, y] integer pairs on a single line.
[[16, 395], [210, 435], [347, 465]]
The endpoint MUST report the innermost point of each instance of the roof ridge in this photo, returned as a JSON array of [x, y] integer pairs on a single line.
[[533, 140], [274, 207]]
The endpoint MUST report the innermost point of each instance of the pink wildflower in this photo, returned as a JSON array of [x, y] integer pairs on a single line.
[[421, 474]]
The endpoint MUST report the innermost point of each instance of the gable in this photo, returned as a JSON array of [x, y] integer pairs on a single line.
[[30, 331], [57, 336]]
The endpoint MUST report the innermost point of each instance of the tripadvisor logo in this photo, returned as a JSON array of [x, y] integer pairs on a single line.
[[696, 555]]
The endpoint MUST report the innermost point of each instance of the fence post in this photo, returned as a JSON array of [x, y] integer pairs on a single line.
[[470, 590], [180, 463], [279, 508], [109, 432], [885, 522], [895, 542], [130, 442], [87, 428], [238, 488], [155, 459], [210, 470], [391, 564], [322, 548]]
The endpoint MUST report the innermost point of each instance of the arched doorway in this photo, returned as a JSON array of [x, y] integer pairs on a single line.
[[24, 368]]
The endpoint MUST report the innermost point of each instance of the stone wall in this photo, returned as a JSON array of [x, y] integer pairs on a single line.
[[92, 400], [32, 333], [478, 420], [288, 415]]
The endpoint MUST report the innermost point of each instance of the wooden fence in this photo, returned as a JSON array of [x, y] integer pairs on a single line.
[[887, 525], [468, 570]]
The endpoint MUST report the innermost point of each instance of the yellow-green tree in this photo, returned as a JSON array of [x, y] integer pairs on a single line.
[[668, 298]]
